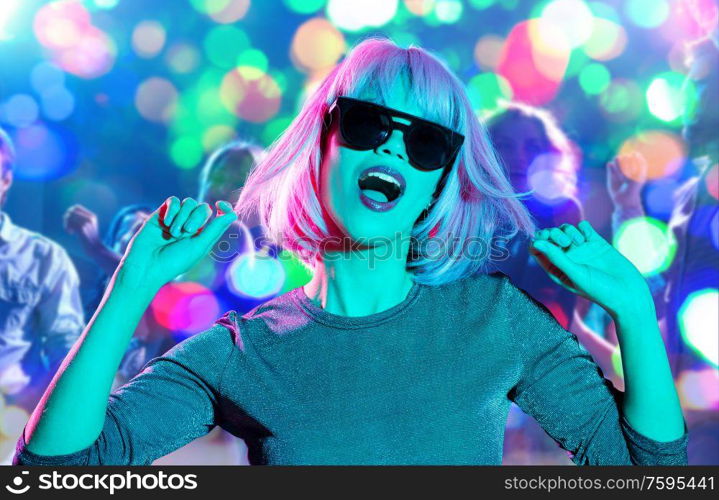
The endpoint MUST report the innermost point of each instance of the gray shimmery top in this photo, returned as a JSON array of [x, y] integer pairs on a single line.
[[428, 381]]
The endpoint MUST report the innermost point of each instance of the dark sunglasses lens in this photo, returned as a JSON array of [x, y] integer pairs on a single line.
[[428, 147], [363, 127]]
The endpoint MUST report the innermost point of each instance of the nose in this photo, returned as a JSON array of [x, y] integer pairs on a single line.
[[394, 146]]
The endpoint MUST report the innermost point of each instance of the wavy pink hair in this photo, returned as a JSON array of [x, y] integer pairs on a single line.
[[477, 200]]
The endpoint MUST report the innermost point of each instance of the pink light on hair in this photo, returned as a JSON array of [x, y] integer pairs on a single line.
[[477, 200]]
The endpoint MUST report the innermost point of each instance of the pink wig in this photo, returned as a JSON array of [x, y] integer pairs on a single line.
[[476, 204]]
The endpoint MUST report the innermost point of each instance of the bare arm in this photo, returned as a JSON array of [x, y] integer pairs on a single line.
[[71, 412], [79, 391]]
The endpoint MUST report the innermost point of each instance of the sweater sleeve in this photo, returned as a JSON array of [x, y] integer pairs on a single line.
[[562, 387], [171, 402]]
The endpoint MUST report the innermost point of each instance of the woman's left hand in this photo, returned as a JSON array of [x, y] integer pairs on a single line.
[[579, 259]]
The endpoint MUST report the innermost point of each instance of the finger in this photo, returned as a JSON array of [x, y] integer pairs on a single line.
[[542, 234], [210, 233], [588, 231], [614, 178], [642, 168], [172, 207], [552, 252], [188, 205], [197, 218], [558, 237], [573, 233]]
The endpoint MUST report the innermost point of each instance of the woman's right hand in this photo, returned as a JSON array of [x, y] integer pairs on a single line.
[[172, 240]]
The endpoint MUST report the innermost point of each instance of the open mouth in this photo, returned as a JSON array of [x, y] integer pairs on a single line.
[[380, 187]]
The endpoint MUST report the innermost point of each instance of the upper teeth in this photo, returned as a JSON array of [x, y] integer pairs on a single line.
[[385, 177]]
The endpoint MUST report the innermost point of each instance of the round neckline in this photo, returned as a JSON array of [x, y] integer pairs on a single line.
[[352, 322]]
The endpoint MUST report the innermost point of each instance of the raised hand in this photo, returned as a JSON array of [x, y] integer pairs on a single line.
[[579, 259], [626, 175], [82, 222], [172, 240]]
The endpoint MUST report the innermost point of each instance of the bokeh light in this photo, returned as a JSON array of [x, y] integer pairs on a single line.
[[57, 103], [621, 101], [42, 155], [155, 99], [46, 76], [305, 6], [594, 78], [487, 51], [420, 7], [549, 183], [647, 243], [448, 11], [20, 110], [357, 16], [607, 40], [7, 10], [671, 97], [65, 27], [148, 38], [646, 13], [556, 16], [699, 323], [533, 60], [222, 11], [182, 58], [664, 153], [316, 45], [486, 92], [186, 151], [185, 307], [253, 275], [250, 94], [699, 389], [218, 39]]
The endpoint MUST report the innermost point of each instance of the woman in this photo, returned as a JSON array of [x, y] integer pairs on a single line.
[[390, 354]]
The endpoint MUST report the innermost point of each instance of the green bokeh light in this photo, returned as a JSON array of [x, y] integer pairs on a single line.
[[671, 97], [481, 4], [253, 57], [485, 90], [647, 243], [223, 43], [274, 128], [698, 323], [594, 78], [209, 6], [577, 60], [186, 151], [305, 6], [448, 11], [647, 13]]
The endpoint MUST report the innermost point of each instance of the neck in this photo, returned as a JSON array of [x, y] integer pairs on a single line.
[[361, 282]]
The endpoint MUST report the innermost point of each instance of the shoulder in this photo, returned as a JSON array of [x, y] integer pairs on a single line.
[[214, 343]]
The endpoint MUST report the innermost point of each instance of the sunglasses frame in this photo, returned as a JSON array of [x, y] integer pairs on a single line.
[[454, 139]]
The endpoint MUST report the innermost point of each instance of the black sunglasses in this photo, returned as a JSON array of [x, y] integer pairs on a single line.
[[364, 125]]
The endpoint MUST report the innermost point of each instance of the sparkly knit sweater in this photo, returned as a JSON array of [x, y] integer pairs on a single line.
[[427, 381]]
